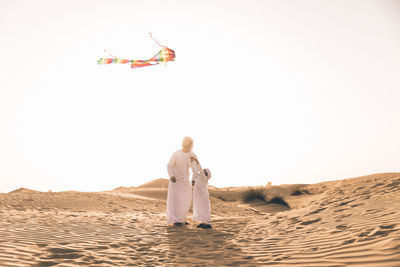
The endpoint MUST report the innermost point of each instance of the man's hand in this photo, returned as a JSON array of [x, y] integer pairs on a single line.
[[173, 179], [193, 182]]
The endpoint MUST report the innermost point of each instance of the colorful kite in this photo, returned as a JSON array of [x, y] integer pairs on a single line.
[[162, 57]]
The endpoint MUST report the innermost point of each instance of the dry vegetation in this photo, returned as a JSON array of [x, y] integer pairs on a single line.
[[261, 193]]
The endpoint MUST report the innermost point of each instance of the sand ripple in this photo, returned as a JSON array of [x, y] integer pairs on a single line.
[[343, 223]]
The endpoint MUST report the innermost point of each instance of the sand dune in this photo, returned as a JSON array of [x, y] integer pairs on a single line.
[[351, 222], [23, 190], [157, 183]]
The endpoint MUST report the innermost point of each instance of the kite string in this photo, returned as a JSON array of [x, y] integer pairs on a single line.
[[151, 36], [110, 54]]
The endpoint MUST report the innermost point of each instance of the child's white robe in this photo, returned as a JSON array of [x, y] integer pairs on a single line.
[[179, 193], [201, 198]]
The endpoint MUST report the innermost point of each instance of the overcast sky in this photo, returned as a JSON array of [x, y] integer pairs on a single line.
[[280, 91]]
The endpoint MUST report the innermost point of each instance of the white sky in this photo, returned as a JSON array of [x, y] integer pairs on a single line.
[[280, 91]]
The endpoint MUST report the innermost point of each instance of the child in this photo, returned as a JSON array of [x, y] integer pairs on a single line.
[[201, 198]]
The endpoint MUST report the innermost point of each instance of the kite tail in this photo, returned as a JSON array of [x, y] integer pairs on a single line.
[[113, 61]]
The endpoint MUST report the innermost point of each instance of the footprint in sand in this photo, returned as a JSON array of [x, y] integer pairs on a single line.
[[316, 211], [64, 253], [310, 222], [341, 226], [388, 226], [344, 203], [349, 241], [379, 232], [45, 263]]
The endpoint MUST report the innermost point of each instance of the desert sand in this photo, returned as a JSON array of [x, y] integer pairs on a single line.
[[350, 222]]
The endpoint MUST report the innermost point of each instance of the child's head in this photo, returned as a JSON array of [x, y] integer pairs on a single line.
[[207, 173]]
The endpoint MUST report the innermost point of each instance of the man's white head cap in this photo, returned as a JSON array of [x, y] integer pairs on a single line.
[[187, 144]]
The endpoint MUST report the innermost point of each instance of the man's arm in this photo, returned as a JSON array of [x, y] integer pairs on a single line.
[[198, 169], [170, 168], [195, 171]]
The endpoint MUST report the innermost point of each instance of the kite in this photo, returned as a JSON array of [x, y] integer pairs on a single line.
[[163, 56]]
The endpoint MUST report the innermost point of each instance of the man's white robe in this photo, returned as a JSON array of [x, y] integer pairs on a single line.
[[179, 193], [201, 198]]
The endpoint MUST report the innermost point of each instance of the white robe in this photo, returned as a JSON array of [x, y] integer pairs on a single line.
[[201, 198], [179, 193]]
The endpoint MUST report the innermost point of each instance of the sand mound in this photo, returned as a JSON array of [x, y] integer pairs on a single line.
[[23, 190], [121, 188], [157, 183]]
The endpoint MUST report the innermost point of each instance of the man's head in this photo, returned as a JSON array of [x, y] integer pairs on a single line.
[[187, 144]]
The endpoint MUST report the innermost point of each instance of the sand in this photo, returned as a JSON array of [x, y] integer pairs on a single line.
[[352, 222]]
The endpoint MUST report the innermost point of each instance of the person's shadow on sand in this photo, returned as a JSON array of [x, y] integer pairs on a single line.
[[188, 245]]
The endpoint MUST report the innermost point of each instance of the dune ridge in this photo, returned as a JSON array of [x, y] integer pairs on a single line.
[[350, 222], [157, 183]]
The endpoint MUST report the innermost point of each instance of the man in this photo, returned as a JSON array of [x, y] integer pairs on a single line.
[[179, 188]]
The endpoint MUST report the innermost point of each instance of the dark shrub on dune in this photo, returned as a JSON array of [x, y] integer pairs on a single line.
[[298, 192], [253, 193], [280, 201]]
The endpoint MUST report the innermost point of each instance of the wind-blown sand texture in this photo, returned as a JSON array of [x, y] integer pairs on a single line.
[[352, 222]]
